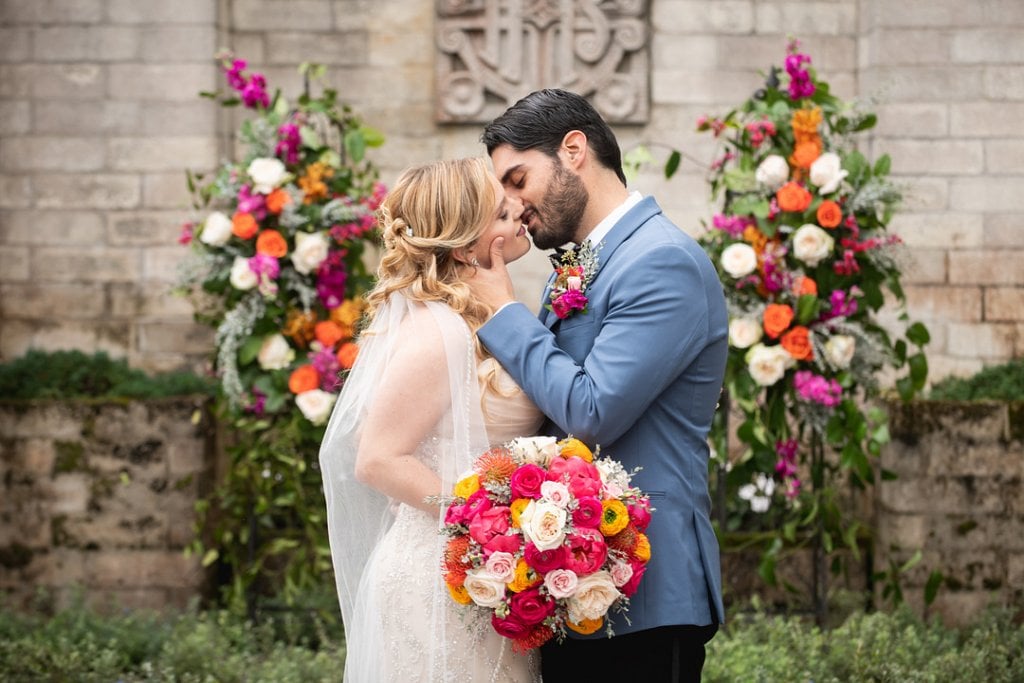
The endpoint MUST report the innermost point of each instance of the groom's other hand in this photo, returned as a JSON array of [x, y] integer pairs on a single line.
[[493, 286]]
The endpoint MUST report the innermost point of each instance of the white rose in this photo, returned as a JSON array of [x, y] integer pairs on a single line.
[[535, 449], [242, 276], [595, 593], [811, 244], [275, 353], [266, 173], [739, 259], [315, 405], [544, 524], [839, 350], [555, 492], [767, 364], [759, 493], [827, 172], [773, 172], [621, 572], [311, 249], [561, 583], [216, 230], [744, 332], [501, 565], [486, 589]]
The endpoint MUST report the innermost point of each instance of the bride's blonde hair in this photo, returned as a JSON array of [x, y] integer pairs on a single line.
[[433, 210]]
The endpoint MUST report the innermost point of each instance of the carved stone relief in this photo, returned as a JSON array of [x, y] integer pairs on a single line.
[[493, 52]]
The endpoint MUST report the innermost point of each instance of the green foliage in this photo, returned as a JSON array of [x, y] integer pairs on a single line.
[[995, 383], [74, 374]]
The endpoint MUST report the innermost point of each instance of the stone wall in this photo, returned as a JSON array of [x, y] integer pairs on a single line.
[[99, 496], [959, 498], [99, 118]]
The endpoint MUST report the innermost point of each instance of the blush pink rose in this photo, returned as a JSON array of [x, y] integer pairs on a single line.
[[582, 477], [544, 561], [587, 551], [589, 512], [494, 521], [526, 481], [561, 583], [530, 607]]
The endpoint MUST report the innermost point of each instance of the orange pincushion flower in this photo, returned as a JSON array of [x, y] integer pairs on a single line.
[[642, 551], [793, 197], [830, 214], [537, 636], [303, 378], [328, 332], [625, 541], [454, 552], [777, 318], [495, 466], [271, 243], [805, 123], [614, 517], [805, 153], [277, 200], [570, 447], [797, 343], [300, 326], [587, 626], [805, 286], [347, 354], [243, 225]]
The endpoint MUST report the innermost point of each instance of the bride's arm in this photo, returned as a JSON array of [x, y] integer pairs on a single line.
[[412, 396]]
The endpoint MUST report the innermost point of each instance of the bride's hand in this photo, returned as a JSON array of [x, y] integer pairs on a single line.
[[493, 286]]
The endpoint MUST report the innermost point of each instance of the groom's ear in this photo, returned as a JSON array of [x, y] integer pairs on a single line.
[[574, 149]]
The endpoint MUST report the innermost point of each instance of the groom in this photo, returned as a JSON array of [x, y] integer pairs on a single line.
[[638, 372]]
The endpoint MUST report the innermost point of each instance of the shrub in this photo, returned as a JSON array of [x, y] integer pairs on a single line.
[[997, 383], [74, 374]]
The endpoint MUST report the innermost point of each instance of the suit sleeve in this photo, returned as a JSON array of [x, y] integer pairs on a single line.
[[655, 325]]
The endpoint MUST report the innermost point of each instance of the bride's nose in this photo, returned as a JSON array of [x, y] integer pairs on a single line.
[[517, 207]]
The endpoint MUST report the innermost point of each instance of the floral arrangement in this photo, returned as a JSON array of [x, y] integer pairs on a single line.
[[574, 269], [276, 266], [807, 263], [545, 536]]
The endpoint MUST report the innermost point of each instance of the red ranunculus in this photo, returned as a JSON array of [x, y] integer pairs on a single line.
[[544, 561], [587, 551], [510, 626], [588, 514], [530, 606], [629, 588], [526, 481], [640, 514]]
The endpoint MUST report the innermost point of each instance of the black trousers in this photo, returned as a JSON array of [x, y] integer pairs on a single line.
[[668, 654]]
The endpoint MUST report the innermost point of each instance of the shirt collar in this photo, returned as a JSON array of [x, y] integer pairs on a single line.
[[602, 229]]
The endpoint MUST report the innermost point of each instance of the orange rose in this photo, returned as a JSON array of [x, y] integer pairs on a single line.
[[777, 318], [328, 332], [347, 355], [805, 153], [805, 285], [805, 124], [797, 343], [304, 378], [829, 214], [793, 197], [277, 200], [271, 243], [244, 225]]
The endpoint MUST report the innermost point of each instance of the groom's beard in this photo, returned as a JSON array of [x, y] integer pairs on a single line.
[[561, 211]]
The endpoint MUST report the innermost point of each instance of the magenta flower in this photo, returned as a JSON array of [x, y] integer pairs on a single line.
[[255, 92], [817, 389], [569, 301], [800, 84], [734, 225], [256, 204], [267, 269], [288, 142], [331, 277], [326, 363], [187, 230]]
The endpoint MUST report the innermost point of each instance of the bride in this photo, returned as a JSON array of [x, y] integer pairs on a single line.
[[422, 401]]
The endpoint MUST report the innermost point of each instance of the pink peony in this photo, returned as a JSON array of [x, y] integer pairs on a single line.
[[526, 481], [580, 476], [587, 551], [494, 521]]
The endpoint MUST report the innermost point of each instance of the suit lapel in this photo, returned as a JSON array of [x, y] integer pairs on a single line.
[[627, 225]]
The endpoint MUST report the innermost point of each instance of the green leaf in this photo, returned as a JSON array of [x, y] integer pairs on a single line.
[[250, 349], [918, 334], [672, 164], [889, 475], [749, 204], [857, 166], [883, 164], [931, 588], [918, 370], [310, 138], [371, 136], [807, 308], [766, 569], [911, 563], [740, 181], [210, 557], [867, 122], [355, 145]]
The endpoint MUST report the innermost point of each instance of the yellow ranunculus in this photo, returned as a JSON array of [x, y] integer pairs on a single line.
[[614, 517], [586, 626], [570, 447], [642, 551], [467, 486], [517, 507], [459, 594], [523, 578]]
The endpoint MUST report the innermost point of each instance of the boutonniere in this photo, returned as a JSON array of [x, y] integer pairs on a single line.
[[574, 269]]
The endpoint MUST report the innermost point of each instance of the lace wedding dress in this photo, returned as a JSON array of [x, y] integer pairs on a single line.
[[400, 622]]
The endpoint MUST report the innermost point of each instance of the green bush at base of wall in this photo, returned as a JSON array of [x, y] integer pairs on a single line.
[[74, 374], [996, 383]]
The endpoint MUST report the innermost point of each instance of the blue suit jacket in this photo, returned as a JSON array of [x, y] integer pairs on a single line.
[[640, 374]]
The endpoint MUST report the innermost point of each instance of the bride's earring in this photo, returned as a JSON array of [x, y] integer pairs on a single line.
[[474, 262]]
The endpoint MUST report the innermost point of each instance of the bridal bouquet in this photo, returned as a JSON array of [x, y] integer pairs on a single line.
[[545, 536]]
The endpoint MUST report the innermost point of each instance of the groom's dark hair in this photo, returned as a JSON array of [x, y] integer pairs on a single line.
[[540, 121]]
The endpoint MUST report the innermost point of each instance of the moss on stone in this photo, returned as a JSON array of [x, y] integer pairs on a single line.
[[70, 457], [15, 555]]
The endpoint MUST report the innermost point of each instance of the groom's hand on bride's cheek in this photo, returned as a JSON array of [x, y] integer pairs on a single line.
[[493, 285]]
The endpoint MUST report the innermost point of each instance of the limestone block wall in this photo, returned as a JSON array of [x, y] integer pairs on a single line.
[[959, 497], [99, 497], [99, 118]]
